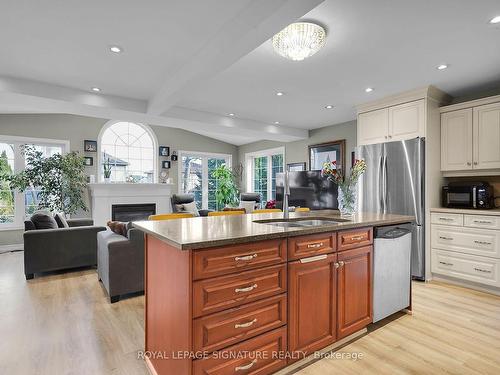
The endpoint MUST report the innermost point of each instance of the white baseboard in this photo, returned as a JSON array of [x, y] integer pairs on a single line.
[[8, 248]]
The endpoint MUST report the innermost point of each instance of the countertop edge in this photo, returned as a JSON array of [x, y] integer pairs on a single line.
[[466, 211], [271, 236]]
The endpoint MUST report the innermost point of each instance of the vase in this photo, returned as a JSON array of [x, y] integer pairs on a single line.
[[347, 200], [106, 180]]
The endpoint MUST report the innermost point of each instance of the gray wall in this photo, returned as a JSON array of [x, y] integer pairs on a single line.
[[78, 128], [296, 152]]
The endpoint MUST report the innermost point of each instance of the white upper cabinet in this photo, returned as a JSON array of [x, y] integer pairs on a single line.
[[456, 140], [395, 123], [407, 121], [470, 137], [373, 127], [486, 137]]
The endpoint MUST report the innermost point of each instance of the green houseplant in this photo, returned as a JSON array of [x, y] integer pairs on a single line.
[[226, 191], [60, 180], [107, 169]]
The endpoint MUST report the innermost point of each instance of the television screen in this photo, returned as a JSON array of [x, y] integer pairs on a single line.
[[308, 189]]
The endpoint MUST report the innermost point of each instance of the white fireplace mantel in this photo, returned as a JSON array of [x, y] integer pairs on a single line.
[[104, 195]]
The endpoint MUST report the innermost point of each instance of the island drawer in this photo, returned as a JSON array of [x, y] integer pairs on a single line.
[[216, 331], [219, 293], [229, 259], [351, 239], [257, 356], [311, 245]]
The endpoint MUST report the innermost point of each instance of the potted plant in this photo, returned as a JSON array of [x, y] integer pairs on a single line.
[[346, 184], [107, 169], [59, 180], [226, 192]]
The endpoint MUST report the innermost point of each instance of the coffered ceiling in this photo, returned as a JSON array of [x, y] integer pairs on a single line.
[[188, 64]]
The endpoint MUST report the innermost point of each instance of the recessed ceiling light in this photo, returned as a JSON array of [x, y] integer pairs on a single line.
[[116, 49], [442, 67], [329, 106], [96, 89], [277, 122], [231, 114], [368, 89], [279, 93], [495, 20]]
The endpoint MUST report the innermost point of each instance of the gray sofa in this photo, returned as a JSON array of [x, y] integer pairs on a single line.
[[120, 262], [60, 248]]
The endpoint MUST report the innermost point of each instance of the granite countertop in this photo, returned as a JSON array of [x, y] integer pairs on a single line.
[[467, 211], [205, 232]]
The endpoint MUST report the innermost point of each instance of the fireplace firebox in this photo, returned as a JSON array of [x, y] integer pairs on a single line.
[[132, 212]]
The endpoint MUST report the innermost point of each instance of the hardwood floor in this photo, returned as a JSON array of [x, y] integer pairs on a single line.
[[64, 324]]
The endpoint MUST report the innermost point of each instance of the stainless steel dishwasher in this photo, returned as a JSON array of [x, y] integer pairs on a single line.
[[391, 270]]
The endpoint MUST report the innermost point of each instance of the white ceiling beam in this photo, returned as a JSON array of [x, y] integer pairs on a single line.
[[22, 96], [255, 24]]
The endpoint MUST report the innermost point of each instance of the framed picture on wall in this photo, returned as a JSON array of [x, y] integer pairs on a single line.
[[327, 152], [165, 164], [296, 167], [164, 151], [89, 146], [88, 161]]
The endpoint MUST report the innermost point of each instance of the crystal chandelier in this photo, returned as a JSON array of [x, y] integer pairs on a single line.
[[299, 40]]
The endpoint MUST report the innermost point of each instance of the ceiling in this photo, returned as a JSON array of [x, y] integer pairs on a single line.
[[188, 64]]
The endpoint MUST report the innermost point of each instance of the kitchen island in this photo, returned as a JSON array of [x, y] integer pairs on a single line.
[[253, 294]]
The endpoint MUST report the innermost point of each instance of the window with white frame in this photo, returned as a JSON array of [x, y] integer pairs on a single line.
[[262, 167], [130, 150], [16, 206], [195, 176]]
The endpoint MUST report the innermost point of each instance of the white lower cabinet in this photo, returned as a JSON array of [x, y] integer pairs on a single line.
[[467, 267], [466, 247]]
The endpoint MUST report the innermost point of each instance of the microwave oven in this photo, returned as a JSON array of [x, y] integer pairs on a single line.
[[477, 195]]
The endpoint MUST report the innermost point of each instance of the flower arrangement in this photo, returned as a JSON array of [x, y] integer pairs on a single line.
[[270, 204], [346, 184]]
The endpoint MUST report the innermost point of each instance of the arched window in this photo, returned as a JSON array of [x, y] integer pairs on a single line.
[[129, 148]]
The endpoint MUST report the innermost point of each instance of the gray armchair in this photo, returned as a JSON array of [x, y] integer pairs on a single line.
[[60, 248], [250, 197], [120, 262], [183, 199]]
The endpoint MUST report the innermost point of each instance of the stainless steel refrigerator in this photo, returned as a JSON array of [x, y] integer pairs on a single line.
[[394, 183]]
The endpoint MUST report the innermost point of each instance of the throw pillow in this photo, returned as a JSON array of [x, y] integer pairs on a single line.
[[249, 206], [118, 227], [61, 220], [191, 208], [43, 221]]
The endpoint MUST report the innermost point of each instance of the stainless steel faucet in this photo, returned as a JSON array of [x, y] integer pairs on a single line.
[[286, 195]]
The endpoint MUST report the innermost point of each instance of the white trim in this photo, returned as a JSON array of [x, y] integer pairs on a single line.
[[38, 141], [204, 178], [249, 156], [13, 247], [147, 128]]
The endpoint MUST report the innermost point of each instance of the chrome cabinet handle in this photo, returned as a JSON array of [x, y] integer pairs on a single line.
[[445, 219], [246, 257], [336, 265], [481, 270], [357, 238], [482, 242], [341, 263], [469, 163], [390, 136], [482, 222], [446, 263], [385, 137], [246, 367], [475, 163], [245, 325], [246, 289], [446, 238], [313, 259], [314, 245]]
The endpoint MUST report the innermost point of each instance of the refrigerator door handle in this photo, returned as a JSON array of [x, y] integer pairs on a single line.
[[381, 183], [385, 183]]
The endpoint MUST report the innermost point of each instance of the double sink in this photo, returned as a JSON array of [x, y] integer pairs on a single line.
[[302, 222]]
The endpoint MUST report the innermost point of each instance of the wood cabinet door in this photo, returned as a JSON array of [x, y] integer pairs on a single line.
[[373, 127], [354, 296], [456, 140], [407, 121], [486, 137], [312, 303]]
